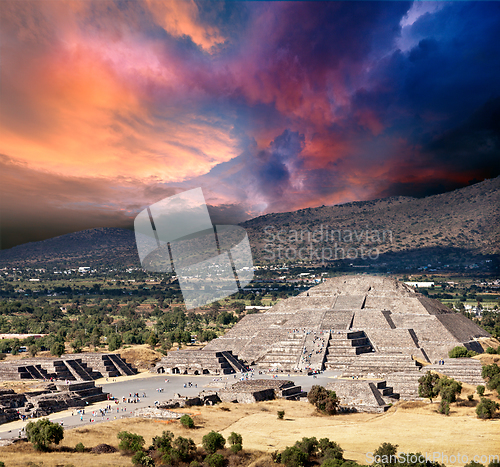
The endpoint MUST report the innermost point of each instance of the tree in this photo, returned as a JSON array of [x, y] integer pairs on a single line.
[[458, 352], [80, 447], [428, 386], [163, 443], [130, 442], [325, 401], [152, 340], [235, 438], [184, 449], [215, 460], [57, 349], [43, 432], [33, 350], [281, 414], [187, 421], [449, 389], [489, 371], [385, 455], [292, 456], [114, 342], [330, 449], [143, 459], [308, 445], [213, 441], [480, 390], [486, 408]]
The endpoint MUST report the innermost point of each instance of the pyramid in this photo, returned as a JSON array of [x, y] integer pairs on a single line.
[[360, 325]]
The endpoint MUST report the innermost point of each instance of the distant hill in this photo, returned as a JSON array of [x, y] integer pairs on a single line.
[[462, 225], [462, 222]]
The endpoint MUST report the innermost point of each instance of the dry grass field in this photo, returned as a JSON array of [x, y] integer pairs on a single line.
[[413, 426]]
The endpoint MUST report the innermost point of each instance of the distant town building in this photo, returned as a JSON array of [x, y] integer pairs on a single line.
[[420, 284]]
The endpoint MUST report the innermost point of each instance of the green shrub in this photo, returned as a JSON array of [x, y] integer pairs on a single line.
[[330, 449], [43, 432], [80, 447], [143, 459], [428, 386], [281, 414], [235, 438], [385, 454], [187, 421], [130, 442], [184, 449], [308, 445], [449, 389], [163, 443], [215, 460], [480, 389], [494, 382], [326, 401], [293, 457], [213, 441], [444, 407], [236, 447], [486, 408], [194, 464], [458, 352], [489, 371], [491, 350], [470, 397]]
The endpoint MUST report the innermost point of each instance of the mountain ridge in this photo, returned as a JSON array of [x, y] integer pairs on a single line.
[[463, 220]]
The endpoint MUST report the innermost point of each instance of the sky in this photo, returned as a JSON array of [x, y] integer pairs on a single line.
[[109, 106]]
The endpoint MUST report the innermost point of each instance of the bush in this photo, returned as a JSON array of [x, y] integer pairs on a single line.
[[130, 442], [213, 441], [293, 457], [235, 438], [308, 446], [448, 389], [80, 447], [489, 371], [236, 448], [444, 407], [474, 464], [470, 397], [57, 349], [184, 449], [494, 382], [385, 454], [43, 432], [330, 449], [325, 401], [142, 458], [458, 352], [491, 350], [428, 386], [163, 443], [480, 389], [281, 414], [194, 464], [187, 421], [486, 408], [215, 460]]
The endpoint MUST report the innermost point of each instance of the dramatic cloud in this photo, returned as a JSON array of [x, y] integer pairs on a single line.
[[108, 106]]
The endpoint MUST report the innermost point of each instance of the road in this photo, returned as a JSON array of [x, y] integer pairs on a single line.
[[149, 384]]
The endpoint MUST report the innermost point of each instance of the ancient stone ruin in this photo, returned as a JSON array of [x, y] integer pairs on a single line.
[[249, 391], [53, 398], [74, 367], [359, 326]]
